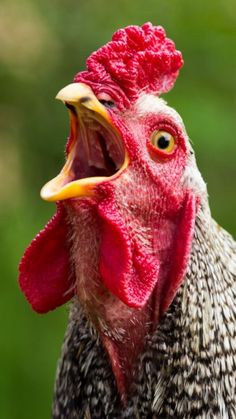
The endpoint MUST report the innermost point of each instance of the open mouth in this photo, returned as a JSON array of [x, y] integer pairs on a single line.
[[95, 152], [98, 150]]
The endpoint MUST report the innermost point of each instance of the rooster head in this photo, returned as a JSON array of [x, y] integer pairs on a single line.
[[126, 197]]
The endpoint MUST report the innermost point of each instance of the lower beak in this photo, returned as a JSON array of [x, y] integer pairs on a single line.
[[86, 113]]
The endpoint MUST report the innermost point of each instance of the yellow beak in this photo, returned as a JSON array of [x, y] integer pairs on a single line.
[[81, 94], [65, 186]]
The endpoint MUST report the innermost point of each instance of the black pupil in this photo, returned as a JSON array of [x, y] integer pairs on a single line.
[[163, 142]]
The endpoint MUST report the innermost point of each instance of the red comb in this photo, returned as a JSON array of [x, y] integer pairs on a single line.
[[138, 59]]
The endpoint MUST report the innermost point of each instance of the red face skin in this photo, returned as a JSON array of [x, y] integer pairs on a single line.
[[123, 252], [145, 198]]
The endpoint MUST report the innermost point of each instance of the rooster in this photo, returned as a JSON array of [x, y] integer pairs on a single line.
[[152, 326]]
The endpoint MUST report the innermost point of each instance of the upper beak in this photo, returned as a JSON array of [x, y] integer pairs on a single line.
[[80, 94], [65, 185]]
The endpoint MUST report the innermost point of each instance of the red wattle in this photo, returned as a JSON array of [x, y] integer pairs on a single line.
[[182, 242], [46, 277], [126, 269]]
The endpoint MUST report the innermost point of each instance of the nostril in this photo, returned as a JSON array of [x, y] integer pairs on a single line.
[[84, 99]]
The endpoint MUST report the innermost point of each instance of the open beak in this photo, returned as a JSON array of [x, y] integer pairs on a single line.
[[95, 151]]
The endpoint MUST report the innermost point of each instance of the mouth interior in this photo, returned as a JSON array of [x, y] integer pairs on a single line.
[[97, 149]]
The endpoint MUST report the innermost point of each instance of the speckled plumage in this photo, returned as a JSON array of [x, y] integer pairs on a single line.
[[188, 369], [152, 329]]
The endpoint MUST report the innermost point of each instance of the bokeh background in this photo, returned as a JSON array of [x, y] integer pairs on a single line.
[[43, 44]]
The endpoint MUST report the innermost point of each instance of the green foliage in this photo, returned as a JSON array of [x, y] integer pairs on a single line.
[[43, 45]]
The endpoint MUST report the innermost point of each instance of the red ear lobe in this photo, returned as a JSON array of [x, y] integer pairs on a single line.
[[181, 249], [46, 277]]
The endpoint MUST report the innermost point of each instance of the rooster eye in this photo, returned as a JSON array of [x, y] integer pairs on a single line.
[[163, 141], [106, 100], [107, 103]]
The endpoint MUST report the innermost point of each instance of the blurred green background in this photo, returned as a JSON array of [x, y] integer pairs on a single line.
[[43, 44]]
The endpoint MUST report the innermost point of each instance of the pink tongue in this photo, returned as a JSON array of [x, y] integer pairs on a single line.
[[127, 270]]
